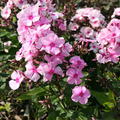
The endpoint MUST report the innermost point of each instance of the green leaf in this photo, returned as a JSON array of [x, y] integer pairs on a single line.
[[105, 98], [109, 116], [2, 86], [7, 107], [32, 93], [12, 36], [2, 108], [3, 33], [53, 115], [4, 75]]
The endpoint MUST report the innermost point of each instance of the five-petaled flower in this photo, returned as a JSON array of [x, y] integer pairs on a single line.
[[80, 94], [17, 78]]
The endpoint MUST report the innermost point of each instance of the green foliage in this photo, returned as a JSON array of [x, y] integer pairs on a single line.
[[106, 99]]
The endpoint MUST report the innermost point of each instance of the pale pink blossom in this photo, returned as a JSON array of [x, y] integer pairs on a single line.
[[73, 26], [56, 15], [77, 62], [52, 44], [31, 72], [66, 49], [94, 47], [87, 32], [5, 13], [29, 15], [56, 59], [80, 94], [20, 3], [116, 12], [74, 76], [108, 40], [104, 36], [61, 24], [48, 70], [9, 4], [96, 19], [105, 56], [19, 54], [17, 78], [79, 37], [8, 43]]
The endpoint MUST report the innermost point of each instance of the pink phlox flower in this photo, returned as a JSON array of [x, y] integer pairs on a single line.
[[54, 59], [52, 44], [79, 37], [80, 94], [66, 49], [107, 55], [17, 78], [9, 4], [31, 72], [5, 13], [116, 12], [30, 52], [94, 47], [74, 76], [96, 19], [61, 24], [48, 69], [104, 36], [20, 3], [113, 24], [29, 15], [22, 28], [73, 26], [77, 62], [19, 54], [56, 15], [87, 32]]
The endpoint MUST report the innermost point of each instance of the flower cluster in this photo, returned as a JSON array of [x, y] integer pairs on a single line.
[[74, 72], [41, 48], [96, 19], [6, 11], [79, 93], [45, 52], [37, 38], [102, 38], [93, 20], [109, 42]]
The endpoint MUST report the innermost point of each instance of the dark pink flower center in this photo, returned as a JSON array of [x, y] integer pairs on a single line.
[[34, 70], [78, 62], [30, 17], [51, 71], [6, 12], [118, 44], [21, 1], [88, 32], [81, 94], [52, 44], [75, 75], [113, 34], [103, 54], [95, 22], [17, 80], [94, 46], [93, 17]]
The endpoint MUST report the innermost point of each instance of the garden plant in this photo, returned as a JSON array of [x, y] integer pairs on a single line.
[[60, 60]]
